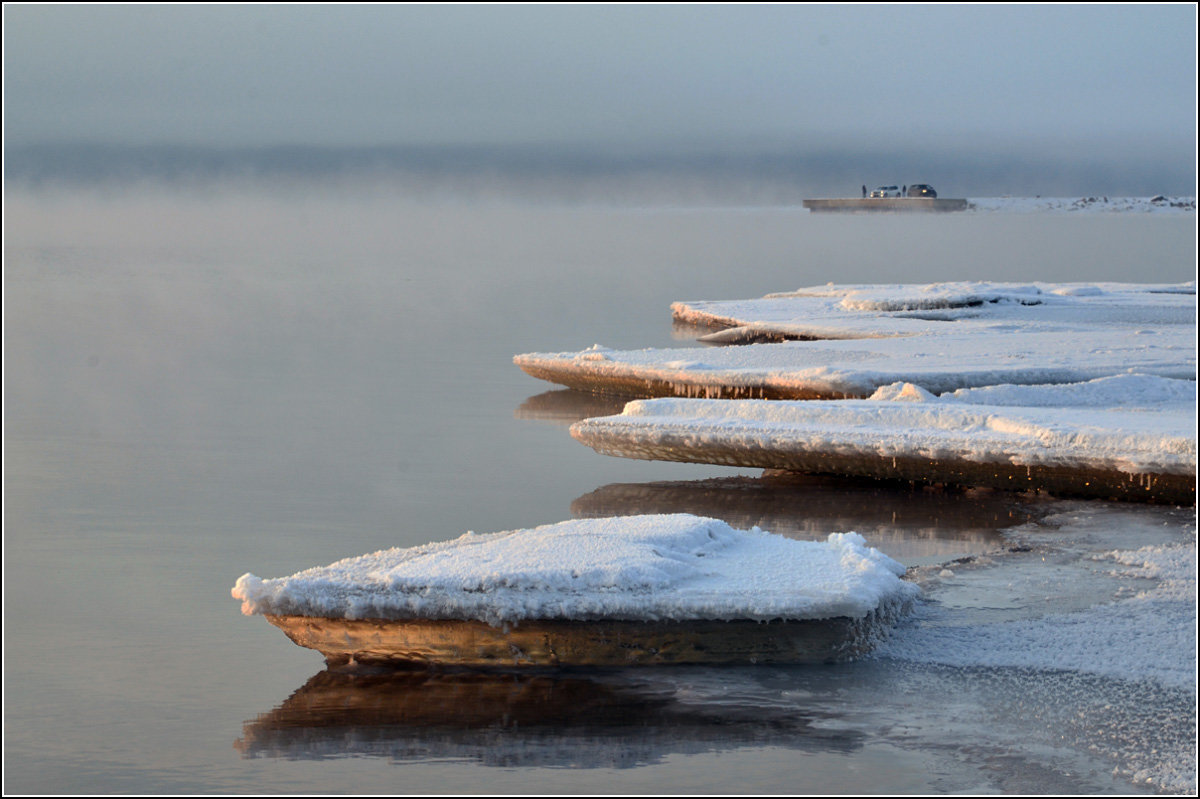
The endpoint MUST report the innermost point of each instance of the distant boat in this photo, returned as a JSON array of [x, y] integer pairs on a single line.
[[846, 204]]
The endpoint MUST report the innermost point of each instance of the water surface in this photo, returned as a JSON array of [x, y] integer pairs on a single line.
[[200, 384]]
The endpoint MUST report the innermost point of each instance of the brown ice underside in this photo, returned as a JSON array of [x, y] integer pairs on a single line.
[[1075, 481], [557, 642]]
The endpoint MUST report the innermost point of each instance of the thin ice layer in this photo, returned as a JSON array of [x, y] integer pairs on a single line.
[[641, 568]]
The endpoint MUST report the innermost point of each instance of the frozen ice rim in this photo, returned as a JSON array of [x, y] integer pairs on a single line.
[[594, 592]]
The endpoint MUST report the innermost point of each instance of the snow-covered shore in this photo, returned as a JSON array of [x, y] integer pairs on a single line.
[[1158, 204]]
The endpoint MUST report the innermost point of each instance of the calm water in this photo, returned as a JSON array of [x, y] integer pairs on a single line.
[[201, 384]]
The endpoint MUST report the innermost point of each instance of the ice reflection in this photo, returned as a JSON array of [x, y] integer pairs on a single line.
[[1047, 731], [688, 331], [915, 525], [567, 406], [616, 719]]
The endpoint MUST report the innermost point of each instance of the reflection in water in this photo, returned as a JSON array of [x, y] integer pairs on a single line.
[[1001, 730], [917, 525], [912, 524], [615, 719], [567, 406], [687, 331]]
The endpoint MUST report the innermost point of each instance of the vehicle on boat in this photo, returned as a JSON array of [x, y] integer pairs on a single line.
[[886, 191], [921, 190]]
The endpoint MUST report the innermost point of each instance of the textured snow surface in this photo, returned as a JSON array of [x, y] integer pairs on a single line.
[[1131, 655], [1133, 423], [642, 568], [1084, 205], [942, 337], [1148, 635], [890, 309]]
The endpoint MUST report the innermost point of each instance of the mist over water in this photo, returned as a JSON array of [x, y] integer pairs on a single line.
[[623, 174], [204, 378]]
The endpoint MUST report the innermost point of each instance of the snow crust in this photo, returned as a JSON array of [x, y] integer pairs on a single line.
[[942, 337], [864, 311], [1123, 392], [1085, 205], [641, 568], [1136, 424]]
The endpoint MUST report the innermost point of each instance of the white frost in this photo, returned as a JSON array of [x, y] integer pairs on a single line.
[[1085, 205], [941, 337], [1059, 425], [1144, 633], [640, 568]]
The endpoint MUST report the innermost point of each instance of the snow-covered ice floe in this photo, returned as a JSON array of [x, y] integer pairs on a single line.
[[840, 342], [613, 591], [1126, 437]]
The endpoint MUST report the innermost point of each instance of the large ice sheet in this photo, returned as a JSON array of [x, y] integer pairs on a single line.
[[942, 337], [856, 368], [643, 568], [869, 311], [1137, 425]]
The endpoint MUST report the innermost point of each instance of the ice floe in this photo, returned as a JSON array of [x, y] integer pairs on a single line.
[[872, 311], [836, 342], [1132, 435], [643, 568]]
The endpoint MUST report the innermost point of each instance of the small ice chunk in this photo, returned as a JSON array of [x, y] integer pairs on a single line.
[[903, 392]]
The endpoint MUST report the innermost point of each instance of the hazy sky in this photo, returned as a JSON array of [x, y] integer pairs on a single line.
[[1103, 81]]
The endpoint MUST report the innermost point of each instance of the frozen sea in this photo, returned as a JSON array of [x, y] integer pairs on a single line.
[[205, 381]]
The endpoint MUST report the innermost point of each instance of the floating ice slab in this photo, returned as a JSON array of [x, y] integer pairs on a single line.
[[941, 337], [846, 369], [615, 591], [639, 568], [873, 311], [1130, 437]]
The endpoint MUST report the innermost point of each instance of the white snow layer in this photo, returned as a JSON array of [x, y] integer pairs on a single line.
[[641, 568], [942, 337], [973, 297], [1081, 205], [1136, 424], [865, 311]]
